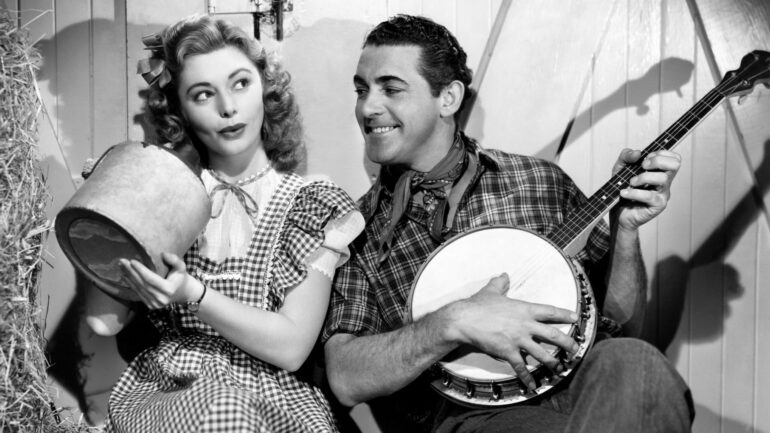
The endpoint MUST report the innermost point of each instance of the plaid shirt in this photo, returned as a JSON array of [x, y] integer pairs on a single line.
[[508, 189]]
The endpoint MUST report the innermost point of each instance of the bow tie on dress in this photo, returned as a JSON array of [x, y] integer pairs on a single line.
[[247, 201]]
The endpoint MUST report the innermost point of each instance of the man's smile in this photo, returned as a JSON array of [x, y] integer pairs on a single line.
[[380, 129]]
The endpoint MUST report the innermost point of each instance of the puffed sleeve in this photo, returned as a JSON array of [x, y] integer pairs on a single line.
[[322, 219]]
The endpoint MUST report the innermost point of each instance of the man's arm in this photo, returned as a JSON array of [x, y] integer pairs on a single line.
[[645, 199], [362, 368], [626, 299]]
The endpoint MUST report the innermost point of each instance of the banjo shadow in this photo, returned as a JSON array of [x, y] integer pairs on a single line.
[[712, 283], [633, 93]]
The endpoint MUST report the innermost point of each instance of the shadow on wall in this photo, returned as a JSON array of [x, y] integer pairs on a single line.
[[635, 93], [83, 363], [704, 268], [71, 116]]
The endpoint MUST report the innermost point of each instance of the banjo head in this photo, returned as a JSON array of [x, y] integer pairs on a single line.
[[539, 273]]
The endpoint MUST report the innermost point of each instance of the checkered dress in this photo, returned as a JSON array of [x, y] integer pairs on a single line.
[[195, 380]]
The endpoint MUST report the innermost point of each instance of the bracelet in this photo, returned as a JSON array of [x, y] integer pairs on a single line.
[[193, 306]]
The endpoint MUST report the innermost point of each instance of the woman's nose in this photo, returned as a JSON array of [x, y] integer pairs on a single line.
[[227, 106]]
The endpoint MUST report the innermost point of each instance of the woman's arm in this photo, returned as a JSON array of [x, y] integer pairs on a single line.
[[283, 338]]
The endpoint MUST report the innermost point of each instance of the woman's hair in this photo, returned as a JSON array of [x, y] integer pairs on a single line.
[[282, 134], [442, 58]]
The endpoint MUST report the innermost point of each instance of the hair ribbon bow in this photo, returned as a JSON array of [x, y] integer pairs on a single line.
[[153, 69]]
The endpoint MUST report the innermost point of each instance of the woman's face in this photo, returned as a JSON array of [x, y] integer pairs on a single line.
[[220, 95]]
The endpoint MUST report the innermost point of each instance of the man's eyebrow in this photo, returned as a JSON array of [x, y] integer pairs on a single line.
[[380, 80], [358, 80]]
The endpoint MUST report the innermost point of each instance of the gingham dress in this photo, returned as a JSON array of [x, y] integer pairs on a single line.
[[195, 380]]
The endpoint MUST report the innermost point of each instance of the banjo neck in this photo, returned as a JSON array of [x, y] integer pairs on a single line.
[[577, 224], [570, 234]]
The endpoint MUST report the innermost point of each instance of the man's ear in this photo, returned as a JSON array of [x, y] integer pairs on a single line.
[[451, 98]]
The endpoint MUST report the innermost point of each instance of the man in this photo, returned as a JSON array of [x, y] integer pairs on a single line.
[[412, 81]]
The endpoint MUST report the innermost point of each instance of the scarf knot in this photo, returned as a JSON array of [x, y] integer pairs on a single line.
[[434, 185]]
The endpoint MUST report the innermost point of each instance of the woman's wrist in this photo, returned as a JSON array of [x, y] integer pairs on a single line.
[[197, 295]]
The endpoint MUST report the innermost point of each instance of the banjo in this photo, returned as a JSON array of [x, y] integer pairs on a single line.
[[464, 264]]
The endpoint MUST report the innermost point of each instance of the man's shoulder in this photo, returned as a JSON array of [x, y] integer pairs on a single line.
[[514, 165]]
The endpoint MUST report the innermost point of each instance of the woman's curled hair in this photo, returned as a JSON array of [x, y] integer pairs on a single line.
[[282, 133]]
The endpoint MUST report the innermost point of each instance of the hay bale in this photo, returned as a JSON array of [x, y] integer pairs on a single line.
[[25, 404]]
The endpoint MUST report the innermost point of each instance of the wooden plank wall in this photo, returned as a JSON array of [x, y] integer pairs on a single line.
[[574, 81]]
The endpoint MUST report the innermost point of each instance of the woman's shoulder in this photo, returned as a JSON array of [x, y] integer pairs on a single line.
[[321, 191]]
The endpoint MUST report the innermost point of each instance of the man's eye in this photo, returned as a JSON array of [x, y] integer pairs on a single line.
[[360, 91], [392, 90]]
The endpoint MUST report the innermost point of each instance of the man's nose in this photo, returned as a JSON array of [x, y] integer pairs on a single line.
[[371, 104]]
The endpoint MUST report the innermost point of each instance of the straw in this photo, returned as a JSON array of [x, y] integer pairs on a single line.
[[25, 403]]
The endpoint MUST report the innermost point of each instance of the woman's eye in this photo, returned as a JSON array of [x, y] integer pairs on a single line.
[[241, 84], [202, 96]]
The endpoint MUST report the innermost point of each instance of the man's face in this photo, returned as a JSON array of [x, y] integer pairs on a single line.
[[398, 116]]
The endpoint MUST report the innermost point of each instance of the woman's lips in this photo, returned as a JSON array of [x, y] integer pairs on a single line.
[[234, 131]]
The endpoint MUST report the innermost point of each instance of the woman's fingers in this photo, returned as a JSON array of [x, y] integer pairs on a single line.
[[136, 284], [174, 263]]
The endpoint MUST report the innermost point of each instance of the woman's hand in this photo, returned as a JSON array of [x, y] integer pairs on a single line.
[[158, 292]]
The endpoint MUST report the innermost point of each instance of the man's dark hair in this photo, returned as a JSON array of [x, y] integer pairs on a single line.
[[443, 60]]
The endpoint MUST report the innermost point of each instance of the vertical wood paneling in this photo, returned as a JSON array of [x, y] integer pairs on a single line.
[[644, 56], [609, 88], [142, 18], [472, 28], [761, 390], [521, 106], [705, 289], [740, 293], [109, 75], [674, 233], [334, 142], [445, 13], [74, 71]]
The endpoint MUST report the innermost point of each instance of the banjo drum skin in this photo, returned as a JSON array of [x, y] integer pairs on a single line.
[[139, 201], [539, 273]]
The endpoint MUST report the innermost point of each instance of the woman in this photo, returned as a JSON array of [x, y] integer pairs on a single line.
[[241, 312]]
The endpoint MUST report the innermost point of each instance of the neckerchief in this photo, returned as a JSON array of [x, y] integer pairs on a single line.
[[444, 174]]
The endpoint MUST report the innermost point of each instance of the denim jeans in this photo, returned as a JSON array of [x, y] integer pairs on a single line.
[[623, 385]]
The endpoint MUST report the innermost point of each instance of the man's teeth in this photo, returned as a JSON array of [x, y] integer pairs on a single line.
[[382, 129]]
